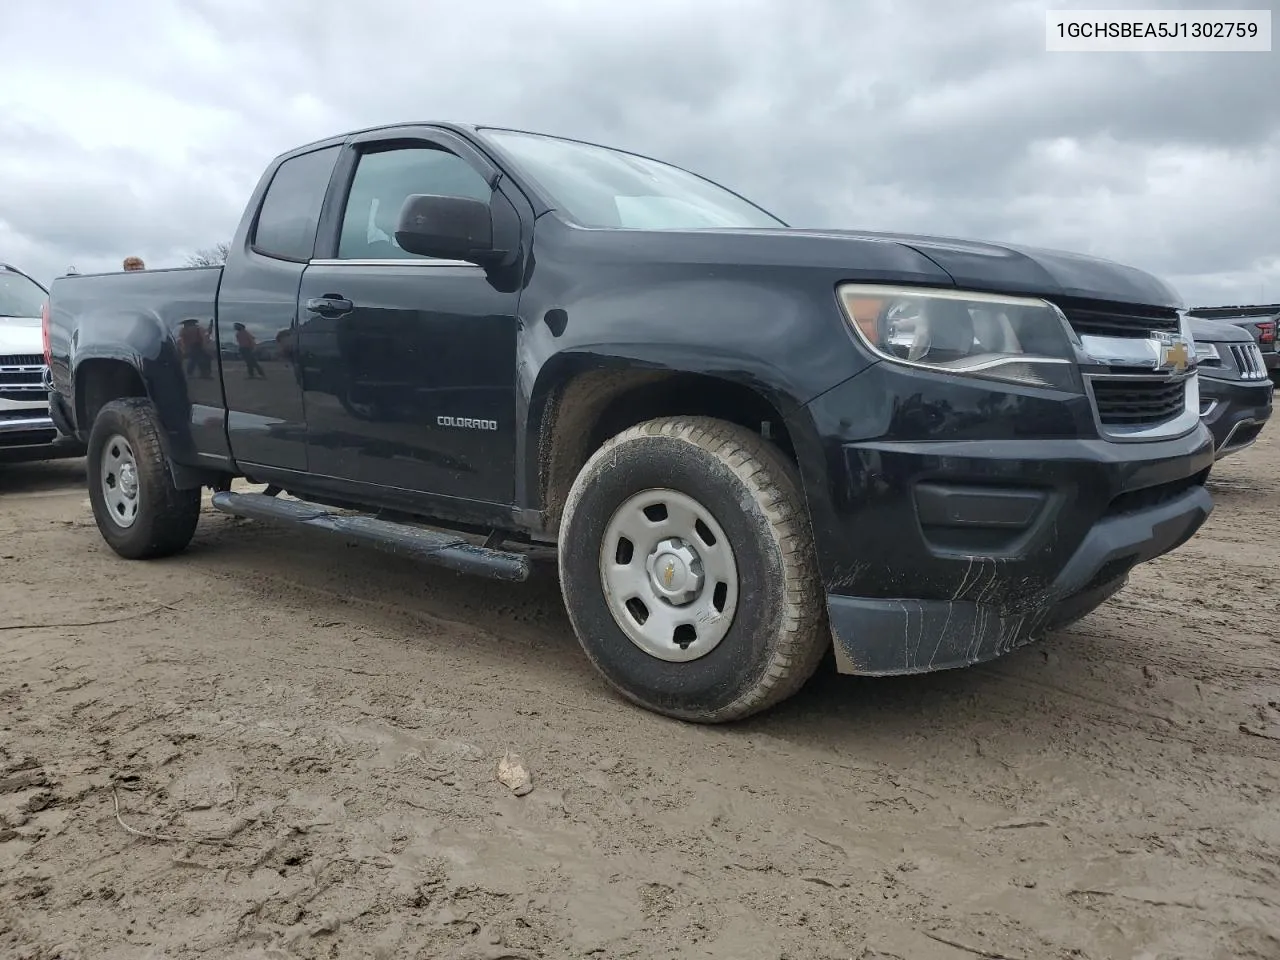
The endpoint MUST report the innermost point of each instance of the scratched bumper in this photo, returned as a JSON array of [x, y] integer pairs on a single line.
[[969, 570], [896, 636]]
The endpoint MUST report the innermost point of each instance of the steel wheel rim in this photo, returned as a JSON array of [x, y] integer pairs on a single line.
[[669, 575], [120, 482]]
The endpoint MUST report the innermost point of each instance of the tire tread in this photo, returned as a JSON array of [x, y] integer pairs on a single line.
[[175, 512], [775, 486]]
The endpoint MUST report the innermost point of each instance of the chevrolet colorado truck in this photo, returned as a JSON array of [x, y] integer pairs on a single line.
[[26, 430], [744, 440]]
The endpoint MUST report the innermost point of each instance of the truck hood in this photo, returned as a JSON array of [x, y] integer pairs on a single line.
[[971, 264], [1015, 269], [1217, 331], [20, 335]]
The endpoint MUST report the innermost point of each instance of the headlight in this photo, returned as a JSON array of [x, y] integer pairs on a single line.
[[1019, 339], [1207, 352]]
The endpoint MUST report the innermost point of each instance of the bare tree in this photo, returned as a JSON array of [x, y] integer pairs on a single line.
[[210, 256]]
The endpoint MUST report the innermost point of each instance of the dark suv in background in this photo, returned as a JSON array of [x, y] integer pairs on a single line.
[[1235, 392], [1259, 321]]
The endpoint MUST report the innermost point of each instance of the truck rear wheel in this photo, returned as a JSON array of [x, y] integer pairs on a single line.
[[140, 513], [688, 570]]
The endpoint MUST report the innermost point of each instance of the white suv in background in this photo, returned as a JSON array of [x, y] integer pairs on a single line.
[[26, 430]]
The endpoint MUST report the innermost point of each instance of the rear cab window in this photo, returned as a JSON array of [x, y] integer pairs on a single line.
[[290, 211]]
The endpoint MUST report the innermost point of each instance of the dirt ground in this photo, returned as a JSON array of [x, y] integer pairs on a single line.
[[273, 746]]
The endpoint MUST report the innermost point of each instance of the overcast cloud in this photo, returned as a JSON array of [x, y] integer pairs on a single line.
[[141, 126]]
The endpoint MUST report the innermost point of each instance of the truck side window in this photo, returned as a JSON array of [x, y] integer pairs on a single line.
[[384, 180], [290, 211]]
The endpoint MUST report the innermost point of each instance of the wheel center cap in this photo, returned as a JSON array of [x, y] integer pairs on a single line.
[[129, 480], [675, 570]]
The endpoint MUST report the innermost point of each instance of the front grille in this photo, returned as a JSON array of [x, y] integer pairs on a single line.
[[1248, 360], [1138, 402], [1115, 320], [22, 377]]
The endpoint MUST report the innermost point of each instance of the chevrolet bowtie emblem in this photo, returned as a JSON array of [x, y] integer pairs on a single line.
[[1176, 357], [669, 573]]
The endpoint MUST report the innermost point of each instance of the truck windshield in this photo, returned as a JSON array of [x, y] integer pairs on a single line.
[[599, 187], [20, 296]]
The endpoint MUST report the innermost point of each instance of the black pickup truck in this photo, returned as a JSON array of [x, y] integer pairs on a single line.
[[745, 439]]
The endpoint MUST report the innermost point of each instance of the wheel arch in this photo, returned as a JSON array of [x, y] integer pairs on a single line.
[[100, 379], [578, 403], [103, 377]]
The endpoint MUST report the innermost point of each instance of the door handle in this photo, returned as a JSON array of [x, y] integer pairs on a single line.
[[330, 305]]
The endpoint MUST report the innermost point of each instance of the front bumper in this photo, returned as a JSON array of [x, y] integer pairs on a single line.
[[1234, 411], [29, 432], [941, 553], [28, 438], [881, 637]]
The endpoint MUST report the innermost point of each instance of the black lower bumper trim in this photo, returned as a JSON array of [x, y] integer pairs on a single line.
[[1242, 435], [61, 448], [898, 636], [1236, 413]]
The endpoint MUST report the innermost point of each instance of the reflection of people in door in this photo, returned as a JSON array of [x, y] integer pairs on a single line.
[[194, 343], [248, 345], [284, 340]]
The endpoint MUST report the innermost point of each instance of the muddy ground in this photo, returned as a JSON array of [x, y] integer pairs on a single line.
[[274, 746]]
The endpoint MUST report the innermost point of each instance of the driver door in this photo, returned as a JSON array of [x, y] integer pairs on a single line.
[[409, 361]]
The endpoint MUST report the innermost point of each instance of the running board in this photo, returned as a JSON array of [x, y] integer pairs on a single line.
[[417, 543]]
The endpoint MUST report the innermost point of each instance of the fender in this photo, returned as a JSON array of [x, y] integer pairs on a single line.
[[772, 349]]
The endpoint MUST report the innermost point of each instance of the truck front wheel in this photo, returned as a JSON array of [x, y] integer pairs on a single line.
[[140, 513], [688, 570]]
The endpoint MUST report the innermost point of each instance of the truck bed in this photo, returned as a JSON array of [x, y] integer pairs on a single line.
[[140, 318], [117, 302]]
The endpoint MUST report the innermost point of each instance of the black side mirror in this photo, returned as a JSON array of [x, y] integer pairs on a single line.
[[450, 228]]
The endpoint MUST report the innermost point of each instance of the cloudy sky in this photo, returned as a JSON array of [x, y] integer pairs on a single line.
[[140, 126]]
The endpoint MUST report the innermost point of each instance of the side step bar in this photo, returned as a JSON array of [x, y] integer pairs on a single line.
[[443, 549]]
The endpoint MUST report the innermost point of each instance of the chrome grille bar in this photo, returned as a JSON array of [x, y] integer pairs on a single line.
[[22, 379], [1248, 360]]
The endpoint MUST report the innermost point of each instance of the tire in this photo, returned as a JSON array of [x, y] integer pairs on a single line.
[[159, 519], [776, 615]]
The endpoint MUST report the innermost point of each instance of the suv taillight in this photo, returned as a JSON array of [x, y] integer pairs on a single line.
[[44, 334], [1267, 332]]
